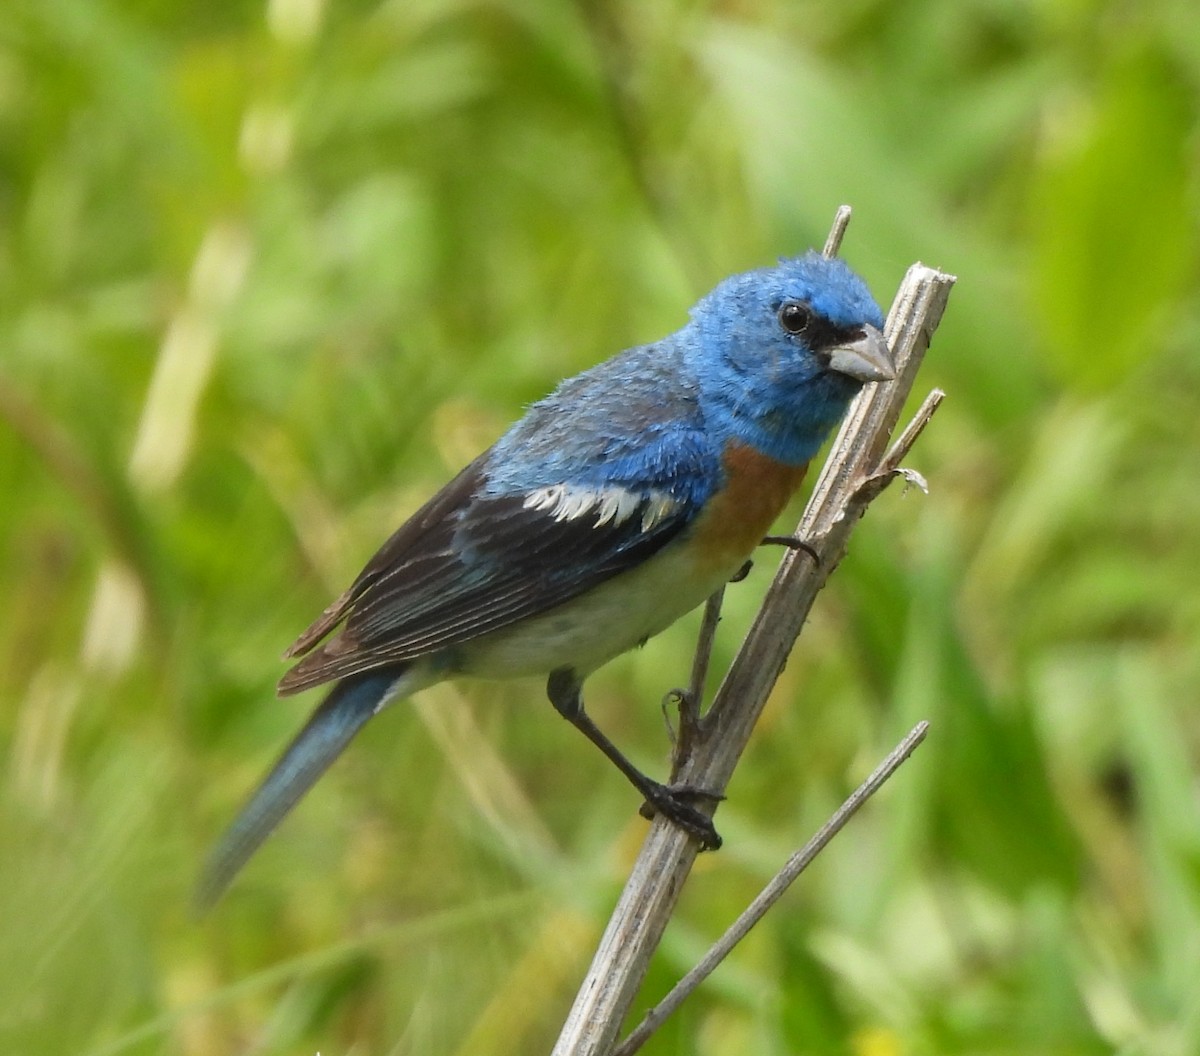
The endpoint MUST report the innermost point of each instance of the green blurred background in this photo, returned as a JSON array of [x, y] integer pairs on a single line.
[[270, 273]]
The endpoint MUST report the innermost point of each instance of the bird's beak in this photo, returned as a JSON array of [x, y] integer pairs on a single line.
[[865, 359]]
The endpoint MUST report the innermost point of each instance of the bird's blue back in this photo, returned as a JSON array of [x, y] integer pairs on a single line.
[[635, 421]]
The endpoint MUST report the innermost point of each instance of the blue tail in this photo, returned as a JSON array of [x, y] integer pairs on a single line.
[[330, 728]]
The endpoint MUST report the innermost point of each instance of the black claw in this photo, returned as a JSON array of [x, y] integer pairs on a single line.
[[742, 572], [792, 543], [696, 792], [668, 800]]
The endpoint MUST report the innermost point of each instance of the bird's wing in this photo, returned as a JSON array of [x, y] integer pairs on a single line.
[[471, 562]]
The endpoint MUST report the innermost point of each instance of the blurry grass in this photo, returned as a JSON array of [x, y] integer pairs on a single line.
[[270, 273]]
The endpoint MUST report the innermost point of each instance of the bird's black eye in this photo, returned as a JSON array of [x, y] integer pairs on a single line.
[[794, 318]]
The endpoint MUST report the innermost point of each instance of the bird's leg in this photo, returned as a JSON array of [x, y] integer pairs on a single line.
[[565, 691], [792, 543]]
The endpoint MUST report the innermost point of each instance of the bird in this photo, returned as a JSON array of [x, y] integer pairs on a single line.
[[614, 506]]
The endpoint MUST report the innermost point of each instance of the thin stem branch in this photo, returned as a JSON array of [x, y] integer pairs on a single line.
[[841, 220], [773, 892], [898, 452]]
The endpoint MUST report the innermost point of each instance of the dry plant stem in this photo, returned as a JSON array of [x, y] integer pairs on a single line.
[[841, 220], [838, 501], [908, 437], [771, 894]]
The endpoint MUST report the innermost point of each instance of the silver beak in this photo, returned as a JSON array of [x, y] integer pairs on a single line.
[[864, 359]]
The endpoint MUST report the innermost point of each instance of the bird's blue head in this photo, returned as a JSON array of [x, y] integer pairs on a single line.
[[780, 352]]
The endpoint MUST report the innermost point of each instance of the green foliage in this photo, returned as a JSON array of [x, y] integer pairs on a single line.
[[269, 274]]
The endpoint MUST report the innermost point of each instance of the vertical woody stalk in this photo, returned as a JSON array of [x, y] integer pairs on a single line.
[[856, 471]]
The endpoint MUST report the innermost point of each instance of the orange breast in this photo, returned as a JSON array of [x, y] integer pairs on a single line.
[[756, 490]]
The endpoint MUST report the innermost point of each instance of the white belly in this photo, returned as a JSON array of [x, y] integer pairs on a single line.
[[593, 628]]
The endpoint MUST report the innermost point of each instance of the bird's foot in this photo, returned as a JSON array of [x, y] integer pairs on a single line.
[[671, 801]]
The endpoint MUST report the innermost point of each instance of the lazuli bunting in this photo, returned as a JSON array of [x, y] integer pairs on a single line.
[[615, 505]]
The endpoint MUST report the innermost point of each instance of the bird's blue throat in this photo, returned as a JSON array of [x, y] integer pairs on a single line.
[[790, 430]]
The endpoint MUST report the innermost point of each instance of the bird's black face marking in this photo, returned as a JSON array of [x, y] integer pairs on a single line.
[[795, 317], [825, 337]]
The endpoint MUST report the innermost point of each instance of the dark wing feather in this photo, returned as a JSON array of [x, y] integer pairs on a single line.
[[466, 564], [418, 540]]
